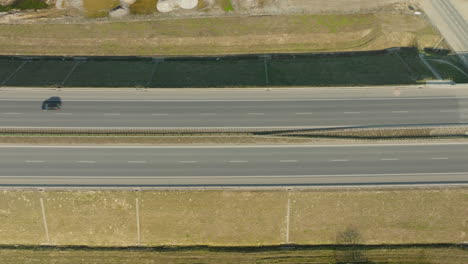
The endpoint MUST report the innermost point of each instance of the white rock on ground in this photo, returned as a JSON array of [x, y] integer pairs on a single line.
[[6, 2], [128, 2], [166, 5], [170, 5], [125, 5], [62, 4], [188, 4], [118, 13]]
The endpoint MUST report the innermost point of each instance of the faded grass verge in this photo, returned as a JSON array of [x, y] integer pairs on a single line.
[[235, 218], [221, 35]]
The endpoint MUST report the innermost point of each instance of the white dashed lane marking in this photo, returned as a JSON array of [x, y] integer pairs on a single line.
[[230, 161], [352, 112], [112, 114]]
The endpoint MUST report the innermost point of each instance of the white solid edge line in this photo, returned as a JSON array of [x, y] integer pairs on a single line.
[[251, 100], [245, 176], [243, 127], [234, 146]]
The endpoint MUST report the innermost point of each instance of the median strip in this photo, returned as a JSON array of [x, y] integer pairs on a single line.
[[226, 135]]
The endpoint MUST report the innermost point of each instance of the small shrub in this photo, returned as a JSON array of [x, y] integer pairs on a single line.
[[227, 5], [24, 5]]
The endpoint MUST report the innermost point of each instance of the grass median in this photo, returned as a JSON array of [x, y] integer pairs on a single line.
[[149, 136]]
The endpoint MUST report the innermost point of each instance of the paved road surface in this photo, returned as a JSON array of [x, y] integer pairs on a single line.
[[240, 165], [451, 23], [236, 113]]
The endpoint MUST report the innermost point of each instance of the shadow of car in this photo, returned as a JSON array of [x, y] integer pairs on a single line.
[[53, 103]]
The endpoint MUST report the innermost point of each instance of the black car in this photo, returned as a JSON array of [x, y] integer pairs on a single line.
[[53, 103]]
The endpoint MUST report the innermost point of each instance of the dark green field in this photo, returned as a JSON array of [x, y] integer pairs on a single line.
[[415, 255], [111, 74], [8, 67], [396, 67], [41, 73], [209, 73]]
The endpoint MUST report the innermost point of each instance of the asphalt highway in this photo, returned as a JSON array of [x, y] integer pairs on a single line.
[[233, 165], [236, 113], [451, 23]]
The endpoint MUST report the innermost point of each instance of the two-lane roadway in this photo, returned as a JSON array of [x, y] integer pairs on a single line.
[[233, 165], [236, 113]]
